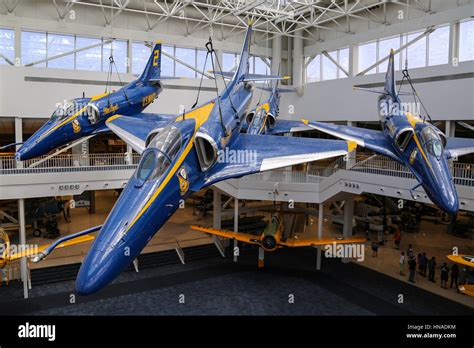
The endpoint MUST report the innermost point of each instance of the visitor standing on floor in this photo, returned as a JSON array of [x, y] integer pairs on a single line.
[[444, 276], [412, 267], [410, 251], [432, 269], [375, 248], [454, 276], [423, 264], [397, 238], [463, 276], [402, 263]]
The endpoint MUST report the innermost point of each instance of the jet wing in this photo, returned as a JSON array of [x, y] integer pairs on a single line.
[[286, 126], [135, 129], [249, 77], [243, 237], [294, 243], [465, 260], [371, 139], [32, 251], [258, 153], [458, 147]]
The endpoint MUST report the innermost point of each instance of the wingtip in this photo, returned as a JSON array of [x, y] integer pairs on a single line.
[[305, 121], [351, 145]]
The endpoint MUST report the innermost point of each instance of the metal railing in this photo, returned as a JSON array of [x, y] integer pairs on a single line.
[[463, 173], [69, 163]]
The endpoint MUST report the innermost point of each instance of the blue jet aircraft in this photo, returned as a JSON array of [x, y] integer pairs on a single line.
[[411, 141], [195, 150], [82, 117], [264, 118]]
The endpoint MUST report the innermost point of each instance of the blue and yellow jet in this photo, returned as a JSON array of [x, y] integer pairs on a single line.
[[82, 117], [197, 149], [264, 118], [411, 141]]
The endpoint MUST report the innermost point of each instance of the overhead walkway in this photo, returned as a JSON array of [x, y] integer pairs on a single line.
[[64, 174], [366, 174], [74, 174]]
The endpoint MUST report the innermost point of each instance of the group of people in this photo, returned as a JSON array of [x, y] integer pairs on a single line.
[[427, 267]]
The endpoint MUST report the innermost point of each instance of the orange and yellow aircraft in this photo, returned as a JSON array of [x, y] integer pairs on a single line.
[[272, 239], [465, 260]]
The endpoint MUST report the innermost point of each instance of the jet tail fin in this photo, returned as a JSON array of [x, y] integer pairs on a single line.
[[152, 72], [390, 77], [243, 68]]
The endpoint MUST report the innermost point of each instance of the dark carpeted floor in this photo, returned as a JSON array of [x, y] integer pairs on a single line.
[[217, 286]]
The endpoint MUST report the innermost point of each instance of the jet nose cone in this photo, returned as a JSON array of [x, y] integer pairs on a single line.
[[18, 156], [450, 204], [95, 272]]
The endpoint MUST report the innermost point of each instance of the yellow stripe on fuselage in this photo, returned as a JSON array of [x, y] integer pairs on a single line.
[[413, 120], [200, 115], [70, 118]]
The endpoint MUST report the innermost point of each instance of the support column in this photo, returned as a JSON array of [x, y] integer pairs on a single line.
[[298, 59], [81, 154], [216, 209], [348, 217], [351, 156], [450, 128], [23, 260], [236, 226], [18, 137], [454, 44], [276, 55], [353, 60], [320, 233], [261, 257], [129, 156]]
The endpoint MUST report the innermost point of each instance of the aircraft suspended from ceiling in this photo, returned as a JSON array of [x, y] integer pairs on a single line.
[[182, 156], [411, 141], [82, 117]]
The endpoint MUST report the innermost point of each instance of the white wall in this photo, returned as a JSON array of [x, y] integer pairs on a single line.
[[33, 99], [334, 100]]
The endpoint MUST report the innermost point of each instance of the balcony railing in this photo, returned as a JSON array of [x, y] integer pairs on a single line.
[[69, 163], [463, 173]]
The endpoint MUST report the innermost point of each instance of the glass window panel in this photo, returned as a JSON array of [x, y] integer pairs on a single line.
[[167, 64], [439, 46], [416, 52], [313, 70], [90, 59], [119, 51], [58, 44], [201, 57], [261, 67], [33, 47], [466, 41], [329, 68], [367, 56], [7, 45], [140, 55], [344, 61], [188, 56], [229, 62], [385, 45]]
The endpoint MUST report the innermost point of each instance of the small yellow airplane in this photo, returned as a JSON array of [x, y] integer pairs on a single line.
[[272, 239], [465, 260]]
